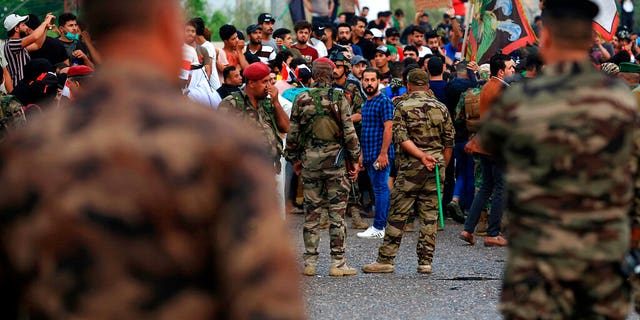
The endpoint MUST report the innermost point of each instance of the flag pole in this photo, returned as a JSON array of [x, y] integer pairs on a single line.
[[467, 22], [440, 214]]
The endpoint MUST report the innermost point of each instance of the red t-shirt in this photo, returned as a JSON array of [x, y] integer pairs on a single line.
[[310, 54]]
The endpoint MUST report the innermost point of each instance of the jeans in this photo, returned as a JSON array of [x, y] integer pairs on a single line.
[[465, 180], [379, 179], [492, 184]]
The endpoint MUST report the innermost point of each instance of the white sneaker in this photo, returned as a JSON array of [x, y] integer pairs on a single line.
[[371, 233]]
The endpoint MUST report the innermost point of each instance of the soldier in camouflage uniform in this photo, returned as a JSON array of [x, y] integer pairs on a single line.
[[312, 146], [139, 204], [424, 129], [567, 138], [354, 96], [11, 115], [266, 115]]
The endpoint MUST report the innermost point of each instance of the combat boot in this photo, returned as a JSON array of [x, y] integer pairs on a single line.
[[340, 268], [378, 267], [358, 223], [309, 270], [425, 268]]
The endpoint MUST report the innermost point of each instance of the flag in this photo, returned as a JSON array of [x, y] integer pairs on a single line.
[[606, 22], [497, 25]]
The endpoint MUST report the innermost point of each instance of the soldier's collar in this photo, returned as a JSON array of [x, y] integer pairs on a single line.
[[568, 67]]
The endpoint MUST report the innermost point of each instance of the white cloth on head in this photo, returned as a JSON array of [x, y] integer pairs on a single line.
[[200, 90]]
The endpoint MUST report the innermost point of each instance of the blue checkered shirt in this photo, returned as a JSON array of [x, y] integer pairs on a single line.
[[374, 113]]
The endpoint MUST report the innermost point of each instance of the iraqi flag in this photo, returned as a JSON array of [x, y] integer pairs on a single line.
[[606, 22], [497, 25]]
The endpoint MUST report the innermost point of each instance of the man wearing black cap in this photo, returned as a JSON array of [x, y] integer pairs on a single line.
[[266, 54], [266, 21], [568, 139], [317, 40]]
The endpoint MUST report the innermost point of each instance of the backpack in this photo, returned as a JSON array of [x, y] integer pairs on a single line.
[[11, 115], [472, 109], [324, 125]]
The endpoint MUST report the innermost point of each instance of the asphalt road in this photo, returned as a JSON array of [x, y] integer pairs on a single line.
[[465, 283]]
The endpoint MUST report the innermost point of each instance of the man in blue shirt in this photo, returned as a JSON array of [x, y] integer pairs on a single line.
[[377, 150]]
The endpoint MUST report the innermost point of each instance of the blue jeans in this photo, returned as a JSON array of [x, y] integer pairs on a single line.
[[492, 184], [379, 182], [465, 180]]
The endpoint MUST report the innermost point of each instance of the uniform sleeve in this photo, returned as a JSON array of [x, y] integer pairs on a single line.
[[350, 137], [448, 131], [635, 207], [292, 152], [400, 133]]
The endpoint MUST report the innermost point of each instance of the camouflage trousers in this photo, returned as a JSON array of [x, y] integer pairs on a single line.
[[407, 197], [551, 287], [327, 189]]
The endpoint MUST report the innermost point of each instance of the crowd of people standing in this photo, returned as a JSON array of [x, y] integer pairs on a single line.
[[371, 119]]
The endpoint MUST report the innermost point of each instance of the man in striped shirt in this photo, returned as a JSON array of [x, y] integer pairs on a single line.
[[22, 40], [265, 53]]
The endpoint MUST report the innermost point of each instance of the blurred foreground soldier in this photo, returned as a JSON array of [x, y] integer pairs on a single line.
[[321, 129], [139, 204], [567, 138], [424, 130]]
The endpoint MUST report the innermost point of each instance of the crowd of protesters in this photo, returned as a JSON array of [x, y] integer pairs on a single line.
[[380, 66]]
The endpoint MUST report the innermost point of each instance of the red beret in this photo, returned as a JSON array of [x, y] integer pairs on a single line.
[[325, 60], [79, 71], [256, 71]]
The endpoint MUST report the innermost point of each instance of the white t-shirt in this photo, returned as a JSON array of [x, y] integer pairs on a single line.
[[423, 51], [189, 57], [213, 80], [320, 47]]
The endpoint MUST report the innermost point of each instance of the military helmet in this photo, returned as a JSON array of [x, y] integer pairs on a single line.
[[341, 58]]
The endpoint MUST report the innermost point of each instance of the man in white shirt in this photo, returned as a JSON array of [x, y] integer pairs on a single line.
[[210, 69], [419, 42], [316, 41]]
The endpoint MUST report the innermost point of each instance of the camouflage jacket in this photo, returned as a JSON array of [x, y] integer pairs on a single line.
[[421, 118], [302, 146], [139, 204], [263, 119], [355, 98], [11, 115], [567, 138]]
